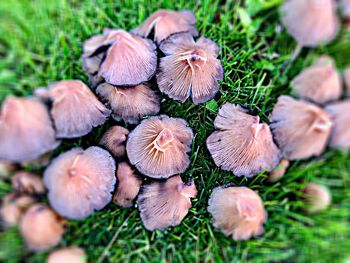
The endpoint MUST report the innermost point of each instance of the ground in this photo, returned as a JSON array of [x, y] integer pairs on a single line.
[[41, 42]]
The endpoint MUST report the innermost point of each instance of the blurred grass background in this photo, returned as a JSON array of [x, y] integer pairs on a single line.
[[41, 42]]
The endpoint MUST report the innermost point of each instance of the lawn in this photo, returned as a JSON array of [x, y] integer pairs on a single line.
[[41, 42]]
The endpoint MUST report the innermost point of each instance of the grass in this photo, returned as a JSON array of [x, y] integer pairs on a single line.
[[41, 42]]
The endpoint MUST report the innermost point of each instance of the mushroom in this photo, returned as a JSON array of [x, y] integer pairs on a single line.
[[340, 113], [320, 83], [26, 130], [164, 204], [129, 184], [67, 255], [39, 162], [301, 129], [41, 227], [166, 22], [159, 146], [277, 173], [28, 183], [237, 211], [189, 68], [75, 109], [113, 140], [241, 143], [345, 8], [317, 196], [80, 181], [6, 168], [130, 103], [347, 81]]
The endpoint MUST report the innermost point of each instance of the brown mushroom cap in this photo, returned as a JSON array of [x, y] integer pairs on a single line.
[[67, 255], [340, 113], [41, 227], [159, 146], [129, 184], [347, 81], [241, 143], [166, 22], [317, 196], [301, 129], [238, 212], [189, 68], [130, 103], [114, 139], [165, 204], [6, 168], [25, 123], [311, 22], [75, 110], [27, 182], [80, 181], [279, 171], [320, 83]]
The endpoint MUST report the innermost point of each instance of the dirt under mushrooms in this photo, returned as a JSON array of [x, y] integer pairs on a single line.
[[114, 140], [67, 255], [28, 183]]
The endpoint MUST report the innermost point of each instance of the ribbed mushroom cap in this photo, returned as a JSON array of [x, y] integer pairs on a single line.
[[311, 22], [25, 123], [114, 140], [41, 227], [67, 255], [317, 196], [27, 182], [345, 8], [6, 168], [301, 129], [189, 68], [241, 143], [159, 146], [340, 113], [165, 204], [279, 171], [75, 109], [320, 83], [237, 211], [347, 81], [130, 103], [80, 181], [129, 184], [166, 22]]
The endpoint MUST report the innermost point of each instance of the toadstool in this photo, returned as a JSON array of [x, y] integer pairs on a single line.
[[67, 255], [317, 196], [279, 171], [114, 139], [27, 182]]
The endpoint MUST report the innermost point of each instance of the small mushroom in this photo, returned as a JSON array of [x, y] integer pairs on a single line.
[[159, 146], [26, 130], [277, 173], [164, 204], [27, 183], [238, 212], [166, 22], [130, 103], [347, 81], [340, 113], [41, 227], [80, 181], [320, 83], [129, 184], [189, 68], [345, 8], [67, 255], [6, 168], [301, 129], [241, 143], [317, 196], [75, 109], [114, 139]]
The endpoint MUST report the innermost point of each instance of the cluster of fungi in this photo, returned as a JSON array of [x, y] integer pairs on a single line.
[[143, 166]]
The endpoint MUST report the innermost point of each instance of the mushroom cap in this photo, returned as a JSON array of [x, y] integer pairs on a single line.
[[340, 113], [91, 65], [25, 123], [320, 83], [189, 68], [317, 196], [6, 168], [237, 211], [279, 171], [166, 22], [345, 8], [67, 255], [41, 227], [27, 182], [80, 181], [164, 204], [158, 147], [301, 129], [129, 184], [130, 103], [311, 22], [241, 143], [347, 81], [114, 139]]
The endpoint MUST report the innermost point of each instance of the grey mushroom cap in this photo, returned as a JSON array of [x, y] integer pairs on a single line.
[[114, 140]]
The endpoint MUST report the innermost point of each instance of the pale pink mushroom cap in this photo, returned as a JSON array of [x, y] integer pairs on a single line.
[[130, 103], [26, 130], [301, 129], [238, 212], [317, 196], [80, 181], [67, 255], [347, 81], [189, 68], [279, 171], [310, 22], [159, 146], [165, 204], [241, 143], [114, 140], [166, 22], [27, 182]]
